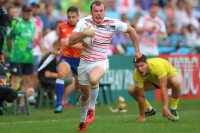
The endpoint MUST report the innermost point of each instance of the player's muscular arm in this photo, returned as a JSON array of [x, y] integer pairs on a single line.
[[77, 36], [65, 42], [164, 92], [133, 36], [77, 46], [141, 102]]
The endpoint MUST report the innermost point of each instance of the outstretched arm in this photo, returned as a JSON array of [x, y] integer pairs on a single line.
[[134, 38]]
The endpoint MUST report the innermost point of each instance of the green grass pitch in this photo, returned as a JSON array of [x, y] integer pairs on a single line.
[[45, 121]]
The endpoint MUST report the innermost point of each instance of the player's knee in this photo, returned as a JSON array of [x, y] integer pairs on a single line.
[[61, 75], [85, 95], [131, 90], [176, 84], [93, 81]]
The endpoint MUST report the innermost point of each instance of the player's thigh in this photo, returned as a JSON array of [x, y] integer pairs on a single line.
[[149, 86], [96, 74], [63, 69], [174, 81], [77, 85]]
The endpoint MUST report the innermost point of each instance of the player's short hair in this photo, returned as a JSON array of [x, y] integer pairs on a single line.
[[97, 3], [154, 4], [10, 7], [142, 59], [73, 9]]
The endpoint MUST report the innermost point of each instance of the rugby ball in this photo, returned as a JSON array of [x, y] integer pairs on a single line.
[[87, 39]]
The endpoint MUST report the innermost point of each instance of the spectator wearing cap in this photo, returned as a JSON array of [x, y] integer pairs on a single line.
[[22, 59], [191, 35]]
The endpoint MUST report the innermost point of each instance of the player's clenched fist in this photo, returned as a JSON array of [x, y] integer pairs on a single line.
[[88, 32]]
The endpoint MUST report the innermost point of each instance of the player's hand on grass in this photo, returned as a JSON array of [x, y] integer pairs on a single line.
[[166, 113], [137, 55], [89, 32], [141, 119]]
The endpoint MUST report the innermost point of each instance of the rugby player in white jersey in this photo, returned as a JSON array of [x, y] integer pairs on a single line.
[[94, 62]]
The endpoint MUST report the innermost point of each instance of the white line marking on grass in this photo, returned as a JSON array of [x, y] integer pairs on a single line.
[[76, 119]]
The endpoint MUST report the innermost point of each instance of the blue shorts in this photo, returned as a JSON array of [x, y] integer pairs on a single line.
[[73, 62]]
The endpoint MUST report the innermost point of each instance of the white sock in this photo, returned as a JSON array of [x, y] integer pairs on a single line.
[[84, 109], [93, 96]]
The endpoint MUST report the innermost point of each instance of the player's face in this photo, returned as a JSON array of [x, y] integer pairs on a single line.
[[142, 68], [72, 18], [97, 13], [26, 14], [153, 11]]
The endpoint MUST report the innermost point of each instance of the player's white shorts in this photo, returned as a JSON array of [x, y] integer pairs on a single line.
[[84, 69]]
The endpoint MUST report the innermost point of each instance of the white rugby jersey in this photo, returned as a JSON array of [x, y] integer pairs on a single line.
[[98, 51]]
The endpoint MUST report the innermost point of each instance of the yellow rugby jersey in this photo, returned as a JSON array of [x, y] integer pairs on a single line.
[[158, 68]]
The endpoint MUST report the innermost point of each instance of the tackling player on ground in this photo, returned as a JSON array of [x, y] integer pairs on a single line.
[[70, 57], [94, 62], [151, 74]]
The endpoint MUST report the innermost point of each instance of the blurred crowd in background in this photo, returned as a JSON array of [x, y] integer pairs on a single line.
[[181, 17]]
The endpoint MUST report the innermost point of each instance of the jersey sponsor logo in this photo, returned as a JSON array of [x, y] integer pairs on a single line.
[[26, 34], [3, 81]]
